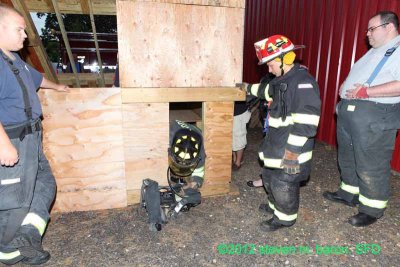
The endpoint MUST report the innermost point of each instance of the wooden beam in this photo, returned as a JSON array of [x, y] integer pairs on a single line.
[[216, 3], [87, 78], [107, 7], [180, 94], [66, 42], [85, 6], [102, 84], [35, 42], [101, 7]]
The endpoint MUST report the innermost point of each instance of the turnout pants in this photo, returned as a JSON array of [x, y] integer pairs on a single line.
[[283, 196], [26, 192], [366, 133]]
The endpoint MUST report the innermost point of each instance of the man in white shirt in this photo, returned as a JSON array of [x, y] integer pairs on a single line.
[[368, 118]]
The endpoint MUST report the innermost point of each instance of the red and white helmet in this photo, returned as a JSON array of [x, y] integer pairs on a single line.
[[273, 47]]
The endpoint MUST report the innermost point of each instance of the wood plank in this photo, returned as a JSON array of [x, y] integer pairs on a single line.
[[100, 62], [65, 39], [90, 200], [146, 140], [100, 7], [219, 190], [187, 94], [214, 3], [85, 6], [107, 7], [86, 78], [35, 42], [218, 123]]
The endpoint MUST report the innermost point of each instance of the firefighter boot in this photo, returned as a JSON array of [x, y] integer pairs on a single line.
[[11, 259], [265, 208], [334, 196], [37, 260], [361, 219], [272, 225], [29, 242]]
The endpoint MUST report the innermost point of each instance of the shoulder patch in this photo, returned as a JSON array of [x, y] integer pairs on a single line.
[[305, 85]]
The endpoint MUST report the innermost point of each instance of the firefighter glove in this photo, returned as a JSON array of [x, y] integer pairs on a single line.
[[362, 93], [244, 86], [290, 163]]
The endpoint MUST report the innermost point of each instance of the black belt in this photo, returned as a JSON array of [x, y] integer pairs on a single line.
[[21, 130]]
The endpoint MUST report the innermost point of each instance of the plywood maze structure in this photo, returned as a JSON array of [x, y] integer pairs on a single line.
[[102, 142]]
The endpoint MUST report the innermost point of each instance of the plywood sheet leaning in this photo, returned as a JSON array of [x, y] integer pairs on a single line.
[[84, 144]]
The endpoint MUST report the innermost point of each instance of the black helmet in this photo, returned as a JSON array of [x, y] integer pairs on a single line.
[[184, 153]]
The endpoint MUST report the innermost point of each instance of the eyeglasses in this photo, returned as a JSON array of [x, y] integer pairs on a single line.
[[372, 29]]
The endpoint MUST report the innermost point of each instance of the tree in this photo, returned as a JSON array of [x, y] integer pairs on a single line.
[[72, 23]]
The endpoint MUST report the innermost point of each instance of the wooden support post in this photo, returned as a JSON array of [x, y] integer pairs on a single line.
[[102, 84], [85, 6], [218, 122], [66, 42], [35, 41]]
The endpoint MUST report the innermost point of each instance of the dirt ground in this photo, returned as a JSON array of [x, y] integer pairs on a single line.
[[224, 231]]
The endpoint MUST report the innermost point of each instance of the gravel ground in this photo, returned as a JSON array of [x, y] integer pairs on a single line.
[[224, 231]]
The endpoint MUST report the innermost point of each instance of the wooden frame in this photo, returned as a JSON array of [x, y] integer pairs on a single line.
[[102, 142]]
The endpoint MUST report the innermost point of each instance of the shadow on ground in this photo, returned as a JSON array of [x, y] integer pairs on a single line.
[[121, 237]]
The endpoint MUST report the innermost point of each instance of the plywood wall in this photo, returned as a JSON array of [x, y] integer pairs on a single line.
[[101, 146], [181, 44], [107, 7], [84, 144]]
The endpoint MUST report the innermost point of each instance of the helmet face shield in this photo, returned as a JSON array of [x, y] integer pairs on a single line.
[[180, 168], [184, 153]]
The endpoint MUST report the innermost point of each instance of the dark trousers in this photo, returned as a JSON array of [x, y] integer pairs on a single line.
[[366, 133], [283, 196], [27, 187]]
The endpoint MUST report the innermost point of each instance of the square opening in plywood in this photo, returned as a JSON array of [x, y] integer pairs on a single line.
[[190, 112]]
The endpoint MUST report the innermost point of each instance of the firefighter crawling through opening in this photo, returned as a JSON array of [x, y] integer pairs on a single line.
[[185, 174]]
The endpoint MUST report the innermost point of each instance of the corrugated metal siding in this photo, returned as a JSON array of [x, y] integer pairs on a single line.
[[334, 34]]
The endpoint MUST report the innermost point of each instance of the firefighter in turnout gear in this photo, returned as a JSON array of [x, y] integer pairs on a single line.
[[293, 120], [368, 116], [27, 185], [186, 159]]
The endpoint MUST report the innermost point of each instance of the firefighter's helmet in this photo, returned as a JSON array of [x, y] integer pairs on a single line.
[[276, 46], [184, 152]]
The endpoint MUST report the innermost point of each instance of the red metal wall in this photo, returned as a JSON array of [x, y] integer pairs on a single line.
[[334, 34]]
